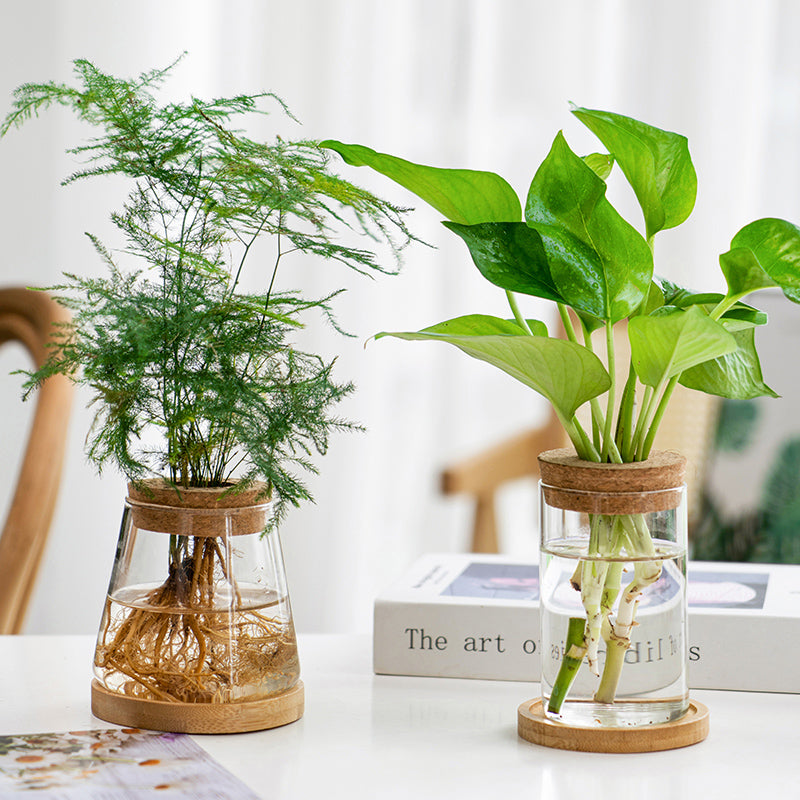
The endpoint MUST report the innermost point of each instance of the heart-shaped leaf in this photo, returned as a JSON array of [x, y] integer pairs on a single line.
[[764, 253], [567, 374], [656, 163], [671, 340], [510, 255], [599, 263], [736, 375], [462, 195]]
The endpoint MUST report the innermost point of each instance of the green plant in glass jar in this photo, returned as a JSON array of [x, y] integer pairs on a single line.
[[196, 381], [568, 244]]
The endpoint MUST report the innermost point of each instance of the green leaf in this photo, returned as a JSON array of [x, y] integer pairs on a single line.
[[600, 163], [485, 325], [764, 253], [654, 301], [671, 341], [462, 195], [737, 317], [656, 163], [567, 374], [736, 375], [600, 264], [510, 255], [741, 317]]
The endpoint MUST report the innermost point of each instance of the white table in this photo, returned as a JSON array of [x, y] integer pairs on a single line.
[[368, 736]]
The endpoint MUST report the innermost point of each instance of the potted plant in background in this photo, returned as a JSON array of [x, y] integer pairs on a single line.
[[202, 399], [613, 517]]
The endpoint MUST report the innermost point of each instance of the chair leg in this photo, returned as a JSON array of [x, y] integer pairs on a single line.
[[484, 533]]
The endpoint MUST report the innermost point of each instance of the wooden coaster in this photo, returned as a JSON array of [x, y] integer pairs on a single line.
[[157, 715], [534, 726]]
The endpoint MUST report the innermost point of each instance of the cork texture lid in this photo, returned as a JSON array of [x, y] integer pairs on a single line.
[[158, 506], [573, 484]]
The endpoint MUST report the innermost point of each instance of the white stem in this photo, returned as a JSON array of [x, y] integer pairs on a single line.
[[592, 582], [645, 574]]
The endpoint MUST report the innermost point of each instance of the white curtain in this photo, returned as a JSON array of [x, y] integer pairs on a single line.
[[474, 83]]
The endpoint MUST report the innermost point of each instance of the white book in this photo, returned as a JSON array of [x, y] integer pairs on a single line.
[[477, 616]]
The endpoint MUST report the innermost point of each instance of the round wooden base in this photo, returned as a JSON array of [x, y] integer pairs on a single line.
[[157, 715], [534, 726]]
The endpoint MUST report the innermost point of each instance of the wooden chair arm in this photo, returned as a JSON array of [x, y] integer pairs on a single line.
[[28, 317]]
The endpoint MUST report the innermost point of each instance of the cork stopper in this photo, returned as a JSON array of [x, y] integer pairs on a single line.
[[158, 506], [640, 487]]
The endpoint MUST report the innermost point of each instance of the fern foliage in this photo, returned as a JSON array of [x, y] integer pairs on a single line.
[[193, 378]]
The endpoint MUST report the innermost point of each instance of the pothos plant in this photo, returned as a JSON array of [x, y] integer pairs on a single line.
[[568, 244], [194, 378]]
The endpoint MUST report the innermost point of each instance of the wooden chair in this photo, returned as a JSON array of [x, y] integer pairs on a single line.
[[27, 316], [687, 427]]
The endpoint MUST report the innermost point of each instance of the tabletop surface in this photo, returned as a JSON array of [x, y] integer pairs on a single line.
[[375, 736]]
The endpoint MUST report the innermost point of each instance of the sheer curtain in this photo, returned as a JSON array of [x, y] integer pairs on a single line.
[[478, 83]]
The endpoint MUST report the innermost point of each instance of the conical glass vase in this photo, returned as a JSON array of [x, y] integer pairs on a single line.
[[197, 634]]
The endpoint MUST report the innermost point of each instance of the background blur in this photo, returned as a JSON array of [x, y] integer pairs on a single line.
[[462, 83]]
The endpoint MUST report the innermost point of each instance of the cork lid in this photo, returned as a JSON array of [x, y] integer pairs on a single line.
[[639, 487], [158, 506]]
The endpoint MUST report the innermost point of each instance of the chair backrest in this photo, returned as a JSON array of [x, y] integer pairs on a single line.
[[28, 317]]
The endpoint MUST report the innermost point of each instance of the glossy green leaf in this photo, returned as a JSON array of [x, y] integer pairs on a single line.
[[600, 163], [654, 300], [763, 254], [741, 317], [670, 341], [737, 317], [485, 325], [567, 374], [656, 163], [599, 263], [736, 375], [462, 195], [510, 255]]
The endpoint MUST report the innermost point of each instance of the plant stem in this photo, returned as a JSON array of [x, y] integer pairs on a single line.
[[659, 415], [642, 424], [567, 323], [574, 651], [615, 659], [593, 579], [600, 423], [579, 438], [608, 442], [624, 431], [521, 321], [722, 307]]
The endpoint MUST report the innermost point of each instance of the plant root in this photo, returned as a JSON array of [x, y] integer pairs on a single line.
[[176, 645]]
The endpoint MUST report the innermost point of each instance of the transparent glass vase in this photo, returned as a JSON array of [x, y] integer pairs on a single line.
[[613, 591], [197, 613]]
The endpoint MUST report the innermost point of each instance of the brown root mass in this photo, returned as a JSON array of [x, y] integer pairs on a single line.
[[177, 647]]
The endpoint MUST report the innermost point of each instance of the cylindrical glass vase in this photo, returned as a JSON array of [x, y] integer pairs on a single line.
[[613, 590], [197, 632]]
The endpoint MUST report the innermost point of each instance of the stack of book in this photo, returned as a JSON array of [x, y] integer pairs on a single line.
[[477, 616]]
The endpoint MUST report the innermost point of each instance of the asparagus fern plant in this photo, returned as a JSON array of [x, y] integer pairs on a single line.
[[193, 378], [568, 244]]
